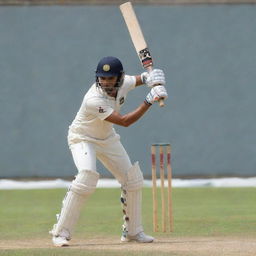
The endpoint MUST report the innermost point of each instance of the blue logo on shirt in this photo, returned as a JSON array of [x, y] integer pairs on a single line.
[[121, 100], [101, 110]]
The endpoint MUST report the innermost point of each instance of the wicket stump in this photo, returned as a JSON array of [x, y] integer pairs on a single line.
[[164, 149]]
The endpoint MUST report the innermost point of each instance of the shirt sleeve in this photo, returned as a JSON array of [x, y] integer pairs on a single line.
[[98, 107], [130, 82]]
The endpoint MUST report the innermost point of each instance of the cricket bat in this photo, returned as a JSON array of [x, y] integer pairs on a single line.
[[137, 38]]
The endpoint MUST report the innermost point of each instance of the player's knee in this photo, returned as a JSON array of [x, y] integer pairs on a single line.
[[85, 182], [134, 178]]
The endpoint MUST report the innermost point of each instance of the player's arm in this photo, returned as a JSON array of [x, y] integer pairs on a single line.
[[138, 80], [130, 118], [155, 77], [126, 120]]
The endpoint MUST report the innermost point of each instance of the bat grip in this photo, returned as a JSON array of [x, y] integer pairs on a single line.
[[160, 101]]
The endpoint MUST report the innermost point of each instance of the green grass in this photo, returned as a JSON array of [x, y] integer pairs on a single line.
[[29, 214]]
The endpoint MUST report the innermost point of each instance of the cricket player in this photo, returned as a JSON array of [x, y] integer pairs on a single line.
[[91, 136]]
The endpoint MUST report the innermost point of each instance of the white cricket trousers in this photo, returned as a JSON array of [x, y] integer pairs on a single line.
[[112, 155], [115, 158]]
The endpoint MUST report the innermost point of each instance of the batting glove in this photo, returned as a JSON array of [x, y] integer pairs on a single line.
[[156, 93], [155, 77]]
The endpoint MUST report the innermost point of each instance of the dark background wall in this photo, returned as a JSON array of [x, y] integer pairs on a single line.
[[47, 61]]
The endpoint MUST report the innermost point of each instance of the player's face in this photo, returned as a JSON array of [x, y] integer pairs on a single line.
[[108, 85]]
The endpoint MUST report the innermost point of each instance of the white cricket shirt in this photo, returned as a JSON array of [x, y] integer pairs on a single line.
[[89, 123]]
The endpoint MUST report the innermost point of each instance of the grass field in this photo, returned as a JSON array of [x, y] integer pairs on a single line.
[[202, 217]]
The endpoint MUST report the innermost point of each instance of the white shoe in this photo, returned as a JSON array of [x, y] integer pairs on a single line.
[[60, 241], [140, 238]]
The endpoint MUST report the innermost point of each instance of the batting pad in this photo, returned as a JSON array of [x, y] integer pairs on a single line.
[[131, 198], [81, 188]]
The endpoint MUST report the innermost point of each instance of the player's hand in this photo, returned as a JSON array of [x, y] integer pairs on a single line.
[[156, 93], [155, 77]]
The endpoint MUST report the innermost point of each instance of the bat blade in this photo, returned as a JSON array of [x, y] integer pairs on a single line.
[[137, 37], [136, 34]]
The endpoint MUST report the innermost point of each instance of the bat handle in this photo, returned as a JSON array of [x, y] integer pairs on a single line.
[[160, 101]]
